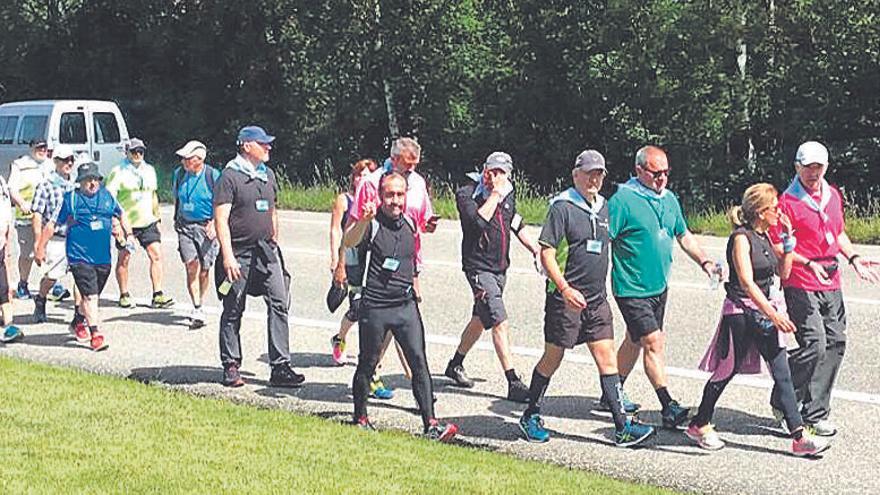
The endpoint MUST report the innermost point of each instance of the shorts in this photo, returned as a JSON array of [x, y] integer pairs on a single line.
[[488, 289], [643, 315], [193, 243], [55, 266], [25, 234], [567, 327], [354, 304], [90, 279], [4, 283], [145, 236]]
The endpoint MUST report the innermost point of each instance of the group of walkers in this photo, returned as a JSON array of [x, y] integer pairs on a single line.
[[783, 258]]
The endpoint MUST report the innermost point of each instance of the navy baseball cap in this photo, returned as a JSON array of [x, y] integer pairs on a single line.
[[254, 133]]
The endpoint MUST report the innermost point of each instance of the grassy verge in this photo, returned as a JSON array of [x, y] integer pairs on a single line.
[[67, 431]]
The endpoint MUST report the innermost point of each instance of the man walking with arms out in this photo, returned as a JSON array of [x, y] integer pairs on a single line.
[[246, 222], [645, 219]]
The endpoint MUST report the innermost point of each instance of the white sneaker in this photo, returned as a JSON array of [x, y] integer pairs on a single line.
[[823, 428], [809, 445], [706, 437], [197, 318]]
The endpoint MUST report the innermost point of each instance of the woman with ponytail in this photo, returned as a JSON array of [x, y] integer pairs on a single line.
[[753, 320]]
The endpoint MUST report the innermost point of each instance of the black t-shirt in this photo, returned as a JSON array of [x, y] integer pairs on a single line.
[[485, 245], [392, 261], [763, 258], [250, 219], [581, 251]]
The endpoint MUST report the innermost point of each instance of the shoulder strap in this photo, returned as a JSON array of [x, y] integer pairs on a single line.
[[175, 185], [209, 177], [374, 231]]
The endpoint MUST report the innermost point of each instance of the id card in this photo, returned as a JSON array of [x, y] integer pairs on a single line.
[[594, 246], [96, 225], [391, 264], [516, 223], [262, 205], [189, 207]]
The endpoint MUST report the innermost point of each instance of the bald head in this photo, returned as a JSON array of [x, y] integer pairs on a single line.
[[652, 167]]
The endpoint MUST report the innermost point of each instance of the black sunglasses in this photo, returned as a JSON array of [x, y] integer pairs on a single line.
[[656, 173], [139, 151]]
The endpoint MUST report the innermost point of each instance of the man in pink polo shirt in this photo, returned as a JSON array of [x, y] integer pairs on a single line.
[[812, 291]]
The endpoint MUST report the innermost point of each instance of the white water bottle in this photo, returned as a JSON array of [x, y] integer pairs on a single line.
[[715, 277]]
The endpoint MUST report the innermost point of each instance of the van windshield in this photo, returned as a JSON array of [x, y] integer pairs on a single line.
[[72, 129], [32, 127]]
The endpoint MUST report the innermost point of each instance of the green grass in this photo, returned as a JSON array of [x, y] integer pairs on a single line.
[[67, 431]]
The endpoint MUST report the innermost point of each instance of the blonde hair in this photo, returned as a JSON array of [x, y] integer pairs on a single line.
[[756, 198], [357, 168]]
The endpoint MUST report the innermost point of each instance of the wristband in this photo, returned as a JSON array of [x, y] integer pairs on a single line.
[[853, 258], [703, 263], [788, 244]]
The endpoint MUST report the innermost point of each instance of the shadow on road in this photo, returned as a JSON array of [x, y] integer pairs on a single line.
[[306, 360], [157, 317], [52, 340], [181, 374]]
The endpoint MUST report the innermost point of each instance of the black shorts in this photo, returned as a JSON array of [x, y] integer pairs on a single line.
[[643, 315], [145, 236], [354, 305], [488, 290], [567, 327], [90, 279]]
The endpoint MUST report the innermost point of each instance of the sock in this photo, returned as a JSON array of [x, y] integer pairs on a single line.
[[93, 329], [622, 379], [125, 294], [798, 434], [197, 306], [536, 393], [665, 398], [157, 293], [612, 391], [511, 375], [456, 360]]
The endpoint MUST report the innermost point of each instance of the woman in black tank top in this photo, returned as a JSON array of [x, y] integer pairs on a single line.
[[751, 323]]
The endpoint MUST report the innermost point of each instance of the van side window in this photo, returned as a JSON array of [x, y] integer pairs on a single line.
[[106, 129], [32, 127], [72, 129], [7, 129]]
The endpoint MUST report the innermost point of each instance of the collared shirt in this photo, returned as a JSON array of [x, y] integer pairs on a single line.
[[135, 186], [252, 202], [643, 227], [24, 175], [48, 198]]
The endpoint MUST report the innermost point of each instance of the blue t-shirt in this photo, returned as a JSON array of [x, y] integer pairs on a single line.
[[89, 221], [196, 199]]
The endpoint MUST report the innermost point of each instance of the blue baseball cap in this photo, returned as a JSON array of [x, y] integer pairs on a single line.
[[254, 133]]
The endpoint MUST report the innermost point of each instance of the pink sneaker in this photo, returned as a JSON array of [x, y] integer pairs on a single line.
[[706, 437], [338, 350], [809, 445]]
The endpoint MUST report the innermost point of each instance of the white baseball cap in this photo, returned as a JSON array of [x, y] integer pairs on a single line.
[[811, 152], [63, 151], [191, 149]]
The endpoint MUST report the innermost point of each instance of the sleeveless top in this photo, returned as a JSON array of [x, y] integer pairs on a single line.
[[764, 263]]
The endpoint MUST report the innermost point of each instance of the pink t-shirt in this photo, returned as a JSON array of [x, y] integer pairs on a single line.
[[816, 238], [418, 203]]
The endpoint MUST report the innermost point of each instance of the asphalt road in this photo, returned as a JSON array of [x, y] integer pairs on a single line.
[[154, 345]]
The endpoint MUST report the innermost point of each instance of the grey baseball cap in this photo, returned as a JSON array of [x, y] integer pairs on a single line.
[[135, 143], [499, 160], [590, 160]]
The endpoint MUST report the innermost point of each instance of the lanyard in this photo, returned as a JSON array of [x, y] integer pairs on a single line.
[[94, 210], [193, 186]]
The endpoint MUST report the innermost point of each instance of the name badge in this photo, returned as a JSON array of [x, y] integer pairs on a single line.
[[262, 205], [391, 264], [96, 225], [829, 238], [594, 246], [189, 207], [137, 195]]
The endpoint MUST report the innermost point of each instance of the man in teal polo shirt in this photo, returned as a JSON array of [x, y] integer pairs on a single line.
[[645, 218]]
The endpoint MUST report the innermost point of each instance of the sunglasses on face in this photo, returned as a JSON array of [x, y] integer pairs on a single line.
[[65, 160], [137, 151], [657, 173]]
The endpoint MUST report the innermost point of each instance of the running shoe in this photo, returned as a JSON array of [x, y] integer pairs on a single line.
[[517, 391], [196, 318], [674, 415], [338, 346], [98, 343], [822, 428], [22, 292], [440, 432], [379, 390], [706, 437], [80, 332], [458, 376], [125, 301], [11, 334], [809, 445], [629, 407], [40, 310], [632, 434], [284, 376], [232, 375], [364, 423], [532, 427], [161, 301], [58, 293]]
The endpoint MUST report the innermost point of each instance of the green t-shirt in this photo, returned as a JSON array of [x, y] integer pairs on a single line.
[[134, 187], [643, 228]]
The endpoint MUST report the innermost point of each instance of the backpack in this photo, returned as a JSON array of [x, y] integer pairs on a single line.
[[175, 183]]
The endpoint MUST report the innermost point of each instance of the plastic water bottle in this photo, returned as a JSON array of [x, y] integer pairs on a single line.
[[715, 278]]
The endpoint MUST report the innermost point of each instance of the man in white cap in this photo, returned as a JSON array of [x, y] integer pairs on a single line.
[[487, 209], [134, 184], [192, 186], [812, 291], [49, 249]]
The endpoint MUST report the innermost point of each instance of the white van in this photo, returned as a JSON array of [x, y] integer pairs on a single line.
[[92, 127]]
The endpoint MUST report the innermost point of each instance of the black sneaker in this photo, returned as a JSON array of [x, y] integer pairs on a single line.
[[458, 376], [232, 376], [517, 391], [284, 376], [674, 416], [40, 310]]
